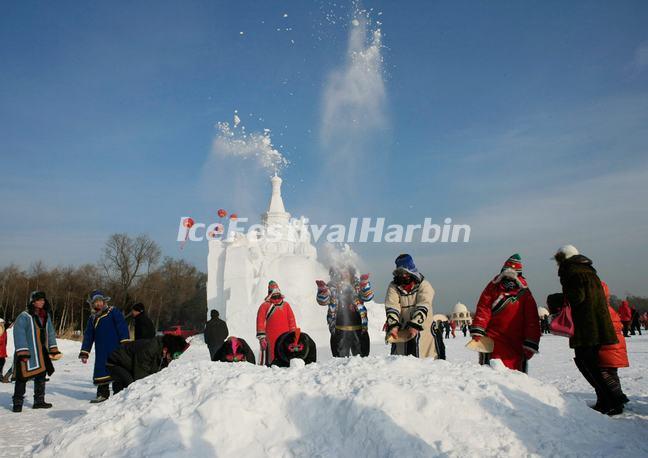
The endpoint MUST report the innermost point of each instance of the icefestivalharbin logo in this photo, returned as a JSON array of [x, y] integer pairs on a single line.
[[358, 230]]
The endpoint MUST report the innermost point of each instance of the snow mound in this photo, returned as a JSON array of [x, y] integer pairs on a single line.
[[376, 406]]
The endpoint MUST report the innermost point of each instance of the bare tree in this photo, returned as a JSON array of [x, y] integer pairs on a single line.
[[125, 259]]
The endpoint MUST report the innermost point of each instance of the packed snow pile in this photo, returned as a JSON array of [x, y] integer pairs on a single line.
[[376, 406]]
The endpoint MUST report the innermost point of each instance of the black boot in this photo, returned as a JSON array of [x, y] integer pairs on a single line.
[[39, 394], [103, 393]]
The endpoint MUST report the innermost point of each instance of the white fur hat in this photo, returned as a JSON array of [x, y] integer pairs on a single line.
[[566, 252]]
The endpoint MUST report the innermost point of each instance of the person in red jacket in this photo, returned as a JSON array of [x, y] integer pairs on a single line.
[[275, 317], [3, 345], [508, 314], [626, 316], [611, 358]]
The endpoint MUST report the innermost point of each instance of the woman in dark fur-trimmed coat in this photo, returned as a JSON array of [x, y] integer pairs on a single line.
[[583, 291]]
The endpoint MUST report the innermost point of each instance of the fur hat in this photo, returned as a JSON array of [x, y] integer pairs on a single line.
[[36, 295], [139, 307], [174, 344], [565, 252], [97, 295]]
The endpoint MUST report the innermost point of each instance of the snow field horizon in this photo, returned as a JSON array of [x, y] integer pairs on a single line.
[[358, 230]]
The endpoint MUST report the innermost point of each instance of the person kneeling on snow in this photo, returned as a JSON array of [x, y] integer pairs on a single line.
[[508, 314], [141, 358], [408, 306], [275, 317], [234, 350], [294, 345]]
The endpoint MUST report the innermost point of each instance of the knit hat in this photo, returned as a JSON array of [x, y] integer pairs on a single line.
[[273, 288], [514, 262], [97, 295], [565, 252], [139, 307], [36, 295], [405, 262]]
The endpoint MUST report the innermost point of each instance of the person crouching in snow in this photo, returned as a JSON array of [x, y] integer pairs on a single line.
[[345, 296], [508, 314], [234, 350], [294, 345], [135, 360], [275, 316], [106, 329], [408, 306], [35, 348]]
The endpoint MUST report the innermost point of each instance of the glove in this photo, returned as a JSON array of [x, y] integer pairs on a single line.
[[55, 356], [528, 354], [83, 357], [264, 343], [394, 332], [413, 332]]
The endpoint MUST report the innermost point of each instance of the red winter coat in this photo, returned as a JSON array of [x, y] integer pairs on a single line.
[[272, 321], [624, 311], [615, 355], [3, 345], [510, 318]]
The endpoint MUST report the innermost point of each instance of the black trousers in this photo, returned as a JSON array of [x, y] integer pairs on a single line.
[[121, 377], [2, 363], [21, 387], [350, 343]]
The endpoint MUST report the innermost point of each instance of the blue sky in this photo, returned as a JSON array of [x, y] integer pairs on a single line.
[[527, 120]]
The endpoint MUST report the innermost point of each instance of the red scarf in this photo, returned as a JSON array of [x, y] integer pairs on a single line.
[[41, 313]]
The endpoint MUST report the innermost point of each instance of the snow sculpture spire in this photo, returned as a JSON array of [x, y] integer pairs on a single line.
[[276, 214]]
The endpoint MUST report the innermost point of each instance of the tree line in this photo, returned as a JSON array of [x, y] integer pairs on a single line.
[[130, 270]]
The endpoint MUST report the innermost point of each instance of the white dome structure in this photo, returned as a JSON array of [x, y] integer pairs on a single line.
[[461, 315], [542, 312]]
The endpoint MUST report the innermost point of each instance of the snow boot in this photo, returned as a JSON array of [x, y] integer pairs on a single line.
[[39, 394], [17, 403], [103, 393]]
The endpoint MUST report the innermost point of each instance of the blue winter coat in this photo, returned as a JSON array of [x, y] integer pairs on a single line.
[[106, 330], [33, 338]]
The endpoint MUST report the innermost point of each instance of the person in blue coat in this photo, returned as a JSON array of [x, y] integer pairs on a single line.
[[106, 329], [35, 348]]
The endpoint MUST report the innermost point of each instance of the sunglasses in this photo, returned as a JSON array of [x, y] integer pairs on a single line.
[[295, 347], [235, 358]]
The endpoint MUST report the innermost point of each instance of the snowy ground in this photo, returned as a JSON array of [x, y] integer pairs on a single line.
[[380, 406]]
